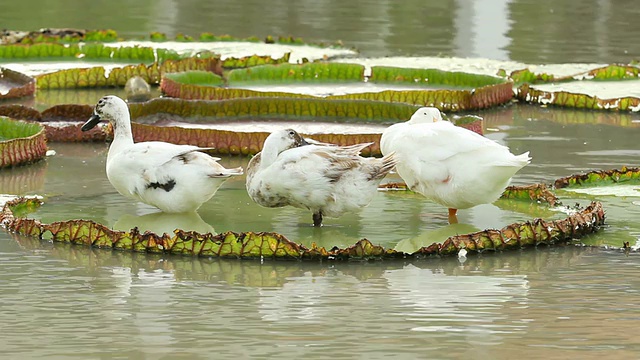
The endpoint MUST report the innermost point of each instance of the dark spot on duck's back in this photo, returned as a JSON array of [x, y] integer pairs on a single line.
[[168, 186], [183, 158]]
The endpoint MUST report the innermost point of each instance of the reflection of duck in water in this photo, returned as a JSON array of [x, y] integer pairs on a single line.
[[160, 222], [438, 235]]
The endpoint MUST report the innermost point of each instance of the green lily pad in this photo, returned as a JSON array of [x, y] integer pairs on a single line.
[[249, 245], [293, 73], [577, 100], [610, 72], [625, 175], [387, 74], [98, 76], [489, 91], [21, 142], [62, 122]]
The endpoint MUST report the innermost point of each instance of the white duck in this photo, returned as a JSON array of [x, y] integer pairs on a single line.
[[450, 165], [173, 178], [327, 179]]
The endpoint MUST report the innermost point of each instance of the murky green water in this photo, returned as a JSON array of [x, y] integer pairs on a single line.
[[533, 31], [62, 302]]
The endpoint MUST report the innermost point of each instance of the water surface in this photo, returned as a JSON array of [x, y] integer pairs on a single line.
[[61, 301]]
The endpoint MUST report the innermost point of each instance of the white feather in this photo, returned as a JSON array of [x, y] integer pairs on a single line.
[[450, 165], [323, 178], [173, 178]]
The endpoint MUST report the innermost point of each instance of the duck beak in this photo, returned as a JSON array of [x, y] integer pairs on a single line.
[[303, 142], [91, 123]]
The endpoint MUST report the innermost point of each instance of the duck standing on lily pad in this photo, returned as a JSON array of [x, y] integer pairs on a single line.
[[173, 178], [448, 164], [327, 179]]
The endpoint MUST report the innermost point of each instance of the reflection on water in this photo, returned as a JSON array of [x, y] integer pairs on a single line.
[[161, 223], [561, 302], [142, 306], [441, 304], [440, 234], [532, 31]]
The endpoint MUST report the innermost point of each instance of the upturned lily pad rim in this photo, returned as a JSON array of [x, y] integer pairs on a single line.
[[21, 84], [603, 73], [250, 245], [272, 245], [12, 129], [26, 142]]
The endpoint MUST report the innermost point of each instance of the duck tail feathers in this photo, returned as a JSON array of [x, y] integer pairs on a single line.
[[519, 161], [387, 163], [524, 159], [223, 173]]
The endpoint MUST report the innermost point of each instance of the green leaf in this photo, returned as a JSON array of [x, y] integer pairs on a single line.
[[296, 73]]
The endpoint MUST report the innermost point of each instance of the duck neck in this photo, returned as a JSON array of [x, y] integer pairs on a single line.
[[268, 156], [122, 135]]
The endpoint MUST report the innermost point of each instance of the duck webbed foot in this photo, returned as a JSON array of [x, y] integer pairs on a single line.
[[317, 219], [453, 218]]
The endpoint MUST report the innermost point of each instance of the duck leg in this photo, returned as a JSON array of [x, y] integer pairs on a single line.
[[453, 218], [317, 219]]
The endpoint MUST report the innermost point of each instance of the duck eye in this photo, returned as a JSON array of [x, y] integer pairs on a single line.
[[291, 133]]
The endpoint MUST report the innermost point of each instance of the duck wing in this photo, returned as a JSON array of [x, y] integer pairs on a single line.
[[304, 176], [157, 165], [425, 149]]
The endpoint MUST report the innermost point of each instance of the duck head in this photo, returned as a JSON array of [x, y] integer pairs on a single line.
[[426, 115], [282, 140], [279, 141], [110, 108]]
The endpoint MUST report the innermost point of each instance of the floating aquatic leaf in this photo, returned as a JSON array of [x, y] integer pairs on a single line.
[[98, 77], [59, 121], [239, 143], [445, 100], [626, 175], [388, 74], [180, 90], [493, 91], [21, 142], [254, 60], [528, 76], [20, 112], [196, 77], [609, 72], [296, 73], [300, 109], [576, 100], [251, 245], [536, 192], [15, 85]]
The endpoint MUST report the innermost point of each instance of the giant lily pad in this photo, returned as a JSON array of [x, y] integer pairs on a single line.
[[610, 72], [197, 121], [471, 91], [21, 142], [14, 84], [605, 88], [250, 245], [572, 99], [626, 175]]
